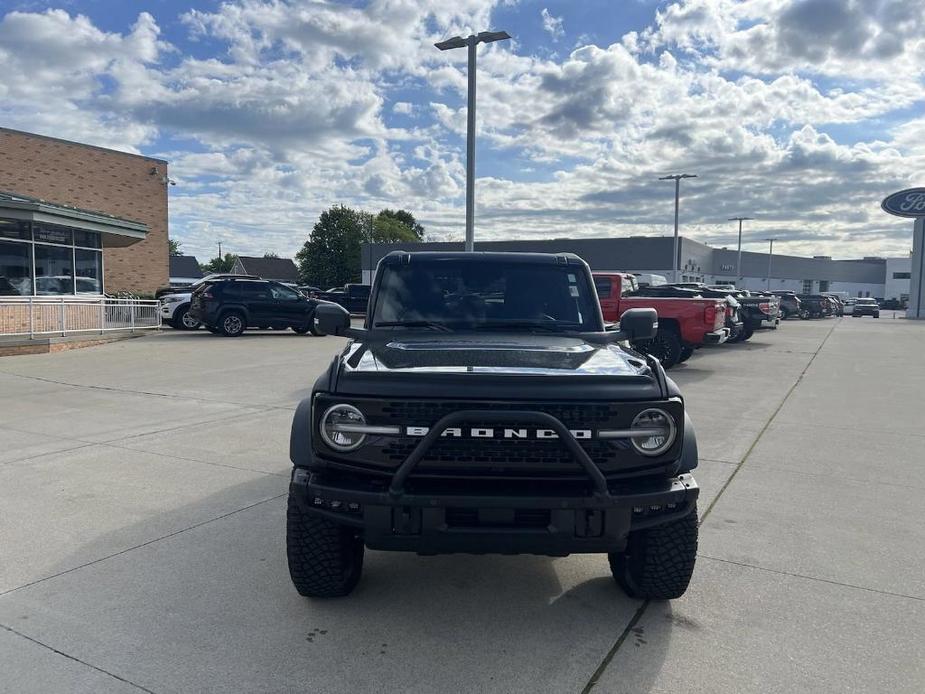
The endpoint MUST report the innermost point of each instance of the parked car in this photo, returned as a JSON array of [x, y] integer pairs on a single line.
[[790, 304], [683, 324], [174, 306], [353, 297], [229, 306], [866, 307], [485, 408], [813, 306], [839, 305], [734, 312]]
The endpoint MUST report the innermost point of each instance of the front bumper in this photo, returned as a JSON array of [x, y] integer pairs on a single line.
[[505, 518], [430, 523], [717, 337], [167, 310]]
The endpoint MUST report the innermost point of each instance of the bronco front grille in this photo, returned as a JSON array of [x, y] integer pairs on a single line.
[[466, 456]]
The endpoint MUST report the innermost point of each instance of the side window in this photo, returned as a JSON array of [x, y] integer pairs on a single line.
[[602, 285], [282, 293], [251, 291]]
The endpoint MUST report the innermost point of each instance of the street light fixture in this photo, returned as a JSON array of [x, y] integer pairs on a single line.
[[770, 255], [677, 198], [471, 42], [739, 259]]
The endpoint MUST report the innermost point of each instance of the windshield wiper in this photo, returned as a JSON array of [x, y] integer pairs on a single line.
[[413, 324]]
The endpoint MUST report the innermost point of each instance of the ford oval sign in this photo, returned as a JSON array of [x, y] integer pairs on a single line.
[[906, 203]]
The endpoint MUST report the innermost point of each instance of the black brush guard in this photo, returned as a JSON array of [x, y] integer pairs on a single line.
[[426, 522]]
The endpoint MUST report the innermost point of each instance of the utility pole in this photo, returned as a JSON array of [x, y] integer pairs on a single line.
[[471, 43], [219, 250], [677, 201], [739, 259], [770, 255]]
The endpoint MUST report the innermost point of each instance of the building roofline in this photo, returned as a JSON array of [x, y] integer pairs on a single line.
[[83, 144], [88, 219]]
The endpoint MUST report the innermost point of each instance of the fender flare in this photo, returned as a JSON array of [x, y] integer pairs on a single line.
[[689, 455], [300, 436]]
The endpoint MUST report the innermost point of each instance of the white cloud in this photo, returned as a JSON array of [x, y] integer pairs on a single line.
[[552, 25], [286, 117]]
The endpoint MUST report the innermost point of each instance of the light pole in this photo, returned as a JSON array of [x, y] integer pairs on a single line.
[[677, 200], [739, 259], [770, 255], [471, 42]]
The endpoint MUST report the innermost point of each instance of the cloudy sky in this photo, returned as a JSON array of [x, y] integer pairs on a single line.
[[800, 113]]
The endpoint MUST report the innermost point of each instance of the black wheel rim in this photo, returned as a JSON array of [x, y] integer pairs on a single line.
[[232, 324]]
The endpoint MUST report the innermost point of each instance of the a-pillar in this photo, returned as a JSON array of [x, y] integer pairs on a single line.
[[916, 307]]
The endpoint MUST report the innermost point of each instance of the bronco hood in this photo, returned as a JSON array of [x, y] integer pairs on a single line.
[[491, 362]]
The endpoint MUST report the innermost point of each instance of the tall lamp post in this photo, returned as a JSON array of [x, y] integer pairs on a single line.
[[770, 255], [471, 42], [677, 199], [739, 258]]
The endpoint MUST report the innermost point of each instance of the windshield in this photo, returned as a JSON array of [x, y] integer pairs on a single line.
[[466, 294]]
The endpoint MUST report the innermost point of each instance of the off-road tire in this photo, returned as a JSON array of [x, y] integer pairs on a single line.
[[746, 334], [665, 346], [232, 324], [325, 558], [658, 562], [686, 353]]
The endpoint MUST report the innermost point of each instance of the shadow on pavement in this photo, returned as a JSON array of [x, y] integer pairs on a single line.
[[212, 607]]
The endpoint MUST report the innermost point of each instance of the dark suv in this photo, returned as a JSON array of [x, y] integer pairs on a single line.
[[230, 306], [485, 407]]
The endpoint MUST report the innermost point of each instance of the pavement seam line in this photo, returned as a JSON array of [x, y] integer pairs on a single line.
[[148, 393], [767, 425], [811, 578], [81, 444], [119, 439], [641, 611], [75, 659], [171, 456], [596, 676], [142, 544]]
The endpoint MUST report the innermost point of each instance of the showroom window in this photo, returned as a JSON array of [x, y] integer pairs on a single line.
[[15, 269], [40, 259]]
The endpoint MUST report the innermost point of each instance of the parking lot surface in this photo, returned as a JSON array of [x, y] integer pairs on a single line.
[[142, 512]]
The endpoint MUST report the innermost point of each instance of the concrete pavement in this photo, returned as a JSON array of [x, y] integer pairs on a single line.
[[142, 514]]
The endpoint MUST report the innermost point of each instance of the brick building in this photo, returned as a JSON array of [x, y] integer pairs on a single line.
[[56, 196]]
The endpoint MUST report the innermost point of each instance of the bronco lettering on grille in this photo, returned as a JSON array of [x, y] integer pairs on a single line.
[[491, 433]]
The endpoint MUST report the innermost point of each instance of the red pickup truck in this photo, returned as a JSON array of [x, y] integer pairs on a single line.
[[683, 324]]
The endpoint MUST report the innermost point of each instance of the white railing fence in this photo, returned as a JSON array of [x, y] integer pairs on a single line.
[[44, 316]]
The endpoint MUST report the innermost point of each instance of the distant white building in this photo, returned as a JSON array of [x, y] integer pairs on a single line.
[[898, 277], [879, 278]]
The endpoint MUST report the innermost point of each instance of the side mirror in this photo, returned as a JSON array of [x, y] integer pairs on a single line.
[[332, 319], [639, 324]]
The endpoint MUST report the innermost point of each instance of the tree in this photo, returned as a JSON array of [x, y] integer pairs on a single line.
[[389, 230], [331, 256], [217, 264], [174, 247], [271, 254], [407, 219]]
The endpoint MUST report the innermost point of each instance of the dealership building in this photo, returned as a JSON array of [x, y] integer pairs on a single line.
[[78, 220], [882, 278]]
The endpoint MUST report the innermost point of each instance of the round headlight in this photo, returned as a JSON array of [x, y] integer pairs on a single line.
[[663, 432], [336, 424]]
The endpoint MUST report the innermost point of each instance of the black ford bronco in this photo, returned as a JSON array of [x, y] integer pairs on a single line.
[[486, 408]]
